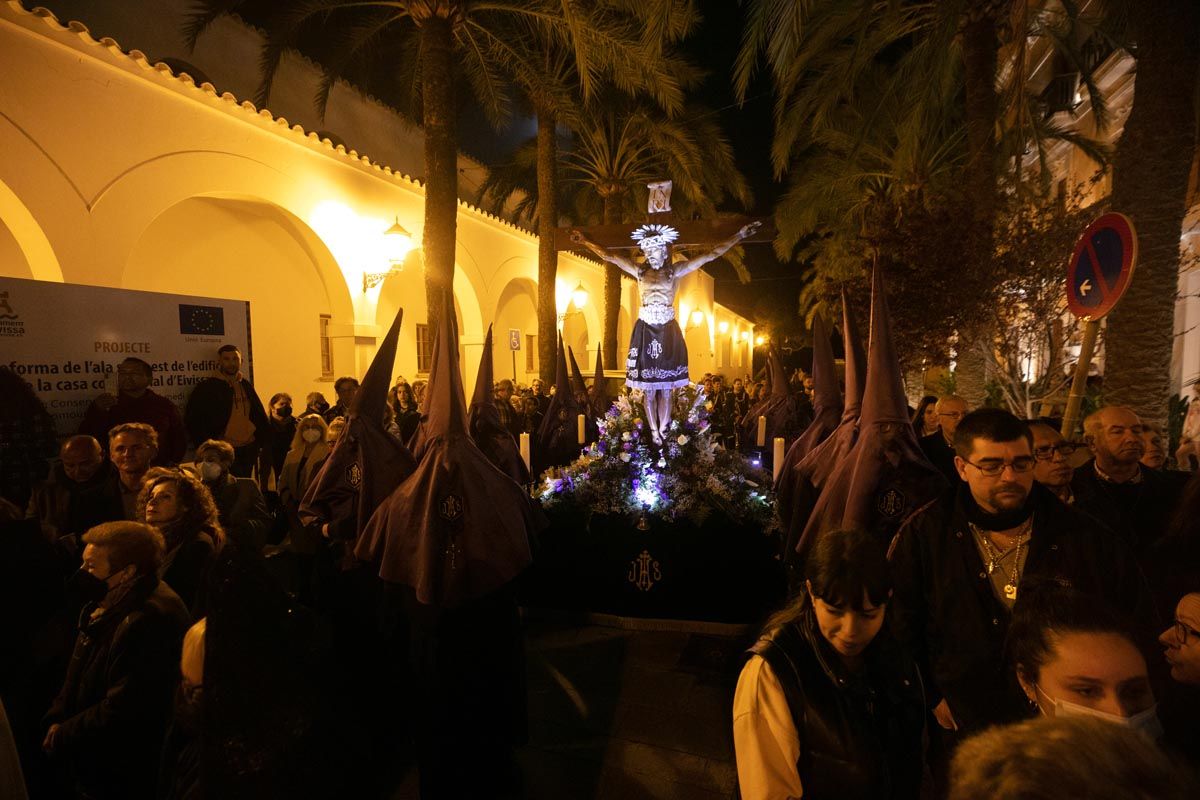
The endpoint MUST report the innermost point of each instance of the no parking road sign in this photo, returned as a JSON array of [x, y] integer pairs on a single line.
[[1101, 266]]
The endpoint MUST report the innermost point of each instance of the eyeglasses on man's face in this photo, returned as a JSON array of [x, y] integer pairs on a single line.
[[952, 414], [1185, 633], [993, 467], [1047, 452]]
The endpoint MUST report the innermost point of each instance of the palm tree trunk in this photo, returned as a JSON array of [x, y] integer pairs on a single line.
[[612, 294], [441, 162], [547, 180], [1150, 184]]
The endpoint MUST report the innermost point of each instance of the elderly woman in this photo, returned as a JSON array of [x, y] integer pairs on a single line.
[[183, 511], [240, 503], [827, 704]]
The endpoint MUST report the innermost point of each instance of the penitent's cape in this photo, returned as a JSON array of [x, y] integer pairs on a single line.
[[483, 420], [885, 476], [457, 528], [367, 462], [786, 417], [558, 437], [827, 413]]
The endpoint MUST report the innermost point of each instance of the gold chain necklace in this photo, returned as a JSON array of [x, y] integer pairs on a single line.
[[995, 557]]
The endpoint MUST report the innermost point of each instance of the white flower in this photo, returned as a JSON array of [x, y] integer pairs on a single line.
[[625, 457], [662, 462], [682, 440], [626, 436]]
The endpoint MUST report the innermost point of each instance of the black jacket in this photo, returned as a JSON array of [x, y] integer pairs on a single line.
[[941, 455], [945, 611], [115, 700], [860, 735], [209, 407], [1137, 512]]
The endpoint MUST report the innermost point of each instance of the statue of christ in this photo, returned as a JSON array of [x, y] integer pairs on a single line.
[[657, 362]]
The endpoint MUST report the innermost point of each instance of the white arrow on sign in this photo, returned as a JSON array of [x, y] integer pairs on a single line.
[[1084, 288]]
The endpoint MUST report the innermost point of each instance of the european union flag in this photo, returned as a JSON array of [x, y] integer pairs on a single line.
[[202, 320]]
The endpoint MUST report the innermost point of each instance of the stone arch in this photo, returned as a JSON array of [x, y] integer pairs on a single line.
[[25, 252], [516, 307], [247, 249]]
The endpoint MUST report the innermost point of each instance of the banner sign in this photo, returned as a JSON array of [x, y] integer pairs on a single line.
[[66, 340]]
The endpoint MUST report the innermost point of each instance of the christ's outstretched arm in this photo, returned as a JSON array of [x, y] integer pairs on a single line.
[[693, 264], [624, 264]]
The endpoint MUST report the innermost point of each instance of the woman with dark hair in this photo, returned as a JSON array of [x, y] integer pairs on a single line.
[[925, 418], [828, 705], [27, 438], [1074, 657], [404, 406], [183, 510]]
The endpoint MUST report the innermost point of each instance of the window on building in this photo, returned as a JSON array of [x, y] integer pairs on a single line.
[[530, 353], [326, 347], [424, 348]]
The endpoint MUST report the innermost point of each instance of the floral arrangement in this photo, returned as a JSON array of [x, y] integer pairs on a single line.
[[688, 477]]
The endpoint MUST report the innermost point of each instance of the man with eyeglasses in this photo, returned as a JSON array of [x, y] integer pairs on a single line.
[[1052, 454], [939, 445], [135, 401], [961, 563]]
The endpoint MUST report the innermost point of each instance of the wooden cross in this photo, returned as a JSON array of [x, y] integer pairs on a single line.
[[691, 232]]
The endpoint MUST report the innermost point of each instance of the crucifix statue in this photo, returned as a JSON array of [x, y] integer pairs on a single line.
[[657, 360]]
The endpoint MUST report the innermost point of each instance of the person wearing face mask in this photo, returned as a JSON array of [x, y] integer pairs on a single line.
[[182, 510], [227, 407], [105, 727], [304, 460], [283, 428], [1073, 657], [1181, 704], [828, 705], [240, 503], [963, 561]]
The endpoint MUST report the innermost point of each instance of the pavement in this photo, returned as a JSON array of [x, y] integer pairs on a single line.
[[628, 714]]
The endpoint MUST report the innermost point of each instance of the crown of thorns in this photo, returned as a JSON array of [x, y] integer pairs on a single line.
[[654, 235]]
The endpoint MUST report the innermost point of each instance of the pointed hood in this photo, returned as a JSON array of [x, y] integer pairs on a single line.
[[457, 528], [601, 402], [827, 411], [487, 431], [885, 476], [557, 439], [577, 383], [787, 417], [856, 361], [367, 462]]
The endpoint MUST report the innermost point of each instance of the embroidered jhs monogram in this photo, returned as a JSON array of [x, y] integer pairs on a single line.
[[655, 349], [354, 475], [644, 571]]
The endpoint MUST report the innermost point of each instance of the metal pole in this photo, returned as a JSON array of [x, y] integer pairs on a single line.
[[1079, 383], [514, 355]]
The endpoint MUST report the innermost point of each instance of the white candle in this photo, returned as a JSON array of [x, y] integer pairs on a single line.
[[777, 460], [582, 437], [525, 450], [762, 431]]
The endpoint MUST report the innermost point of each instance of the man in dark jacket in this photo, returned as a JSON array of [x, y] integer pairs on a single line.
[[76, 496], [226, 407], [939, 445], [107, 723], [961, 562], [135, 401]]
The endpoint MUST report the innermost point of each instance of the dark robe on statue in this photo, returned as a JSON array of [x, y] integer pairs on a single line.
[[454, 536], [827, 408], [488, 433], [601, 401], [885, 476], [813, 471], [557, 441]]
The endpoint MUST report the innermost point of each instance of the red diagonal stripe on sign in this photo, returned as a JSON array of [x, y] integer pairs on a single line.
[[1097, 270]]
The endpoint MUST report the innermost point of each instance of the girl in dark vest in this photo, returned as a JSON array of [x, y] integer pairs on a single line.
[[827, 704]]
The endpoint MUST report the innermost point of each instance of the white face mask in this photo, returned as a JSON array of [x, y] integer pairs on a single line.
[[210, 470], [1144, 721], [311, 435]]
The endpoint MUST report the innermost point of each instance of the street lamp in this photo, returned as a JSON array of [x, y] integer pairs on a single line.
[[723, 327], [397, 243], [697, 318], [579, 295], [745, 336], [760, 341]]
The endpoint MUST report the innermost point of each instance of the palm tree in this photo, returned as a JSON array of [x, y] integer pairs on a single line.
[[417, 53], [1150, 183], [620, 145]]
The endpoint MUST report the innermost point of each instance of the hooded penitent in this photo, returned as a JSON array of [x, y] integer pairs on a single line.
[[885, 476], [785, 414], [827, 413], [601, 402], [457, 528], [488, 433], [579, 386], [558, 438], [577, 383], [367, 462]]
